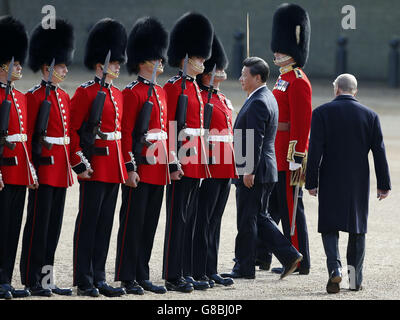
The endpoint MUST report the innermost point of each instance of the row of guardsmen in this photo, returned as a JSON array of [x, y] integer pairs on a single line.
[[105, 136]]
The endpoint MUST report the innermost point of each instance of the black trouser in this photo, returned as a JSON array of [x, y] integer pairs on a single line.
[[179, 195], [355, 255], [41, 233], [281, 209], [253, 220], [12, 200], [138, 218], [213, 197], [93, 228]]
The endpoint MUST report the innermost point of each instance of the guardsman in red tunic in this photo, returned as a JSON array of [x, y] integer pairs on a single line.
[[290, 45], [46, 204], [214, 192], [96, 156], [192, 36], [144, 133], [16, 170]]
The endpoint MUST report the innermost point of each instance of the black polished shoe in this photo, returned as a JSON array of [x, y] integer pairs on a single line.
[[333, 283], [179, 285], [301, 271], [132, 287], [20, 293], [149, 286], [211, 282], [5, 292], [304, 271], [236, 275], [62, 291], [197, 285], [39, 291], [219, 280], [106, 290], [263, 265], [290, 267], [357, 288], [88, 292]]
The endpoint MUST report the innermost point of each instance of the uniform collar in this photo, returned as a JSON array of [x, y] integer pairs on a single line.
[[3, 85], [98, 80], [205, 88], [143, 80], [191, 79], [52, 86], [287, 69]]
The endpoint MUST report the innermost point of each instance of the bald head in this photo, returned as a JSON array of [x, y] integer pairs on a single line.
[[346, 83]]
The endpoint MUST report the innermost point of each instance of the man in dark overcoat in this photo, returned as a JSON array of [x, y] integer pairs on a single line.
[[342, 134]]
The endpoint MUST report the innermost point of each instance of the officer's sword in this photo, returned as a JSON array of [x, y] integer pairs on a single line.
[[295, 202]]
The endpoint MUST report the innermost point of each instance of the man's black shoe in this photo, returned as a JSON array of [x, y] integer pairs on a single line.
[[333, 283], [301, 271], [106, 290], [197, 285], [290, 267], [236, 275], [39, 291], [179, 285], [62, 291], [223, 281], [263, 265], [211, 282], [357, 288], [20, 293], [89, 292], [5, 292], [132, 287], [149, 286]]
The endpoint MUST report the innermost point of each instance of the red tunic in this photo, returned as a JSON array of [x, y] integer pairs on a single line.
[[59, 174], [221, 124], [23, 172], [135, 95], [194, 166], [109, 168], [292, 92]]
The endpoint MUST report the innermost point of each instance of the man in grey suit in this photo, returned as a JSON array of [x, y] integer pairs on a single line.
[[342, 134], [257, 174]]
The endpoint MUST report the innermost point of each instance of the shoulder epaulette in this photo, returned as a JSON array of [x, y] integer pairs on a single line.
[[298, 73], [174, 79], [33, 89], [87, 84], [132, 84]]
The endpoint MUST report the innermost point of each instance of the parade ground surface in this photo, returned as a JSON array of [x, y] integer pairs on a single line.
[[381, 271]]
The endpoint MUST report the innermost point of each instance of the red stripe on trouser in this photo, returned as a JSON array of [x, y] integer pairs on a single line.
[[123, 236], [289, 201], [170, 227], [31, 240], [79, 229]]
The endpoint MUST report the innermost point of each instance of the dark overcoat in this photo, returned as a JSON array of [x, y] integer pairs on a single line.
[[342, 134]]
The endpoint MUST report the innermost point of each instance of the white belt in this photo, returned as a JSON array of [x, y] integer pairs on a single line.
[[194, 131], [221, 138], [111, 135], [57, 140], [157, 136], [18, 137]]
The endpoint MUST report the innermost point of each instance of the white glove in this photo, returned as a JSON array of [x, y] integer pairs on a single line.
[[293, 166]]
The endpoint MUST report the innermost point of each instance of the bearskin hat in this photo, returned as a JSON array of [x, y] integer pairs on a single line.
[[218, 57], [14, 40], [48, 44], [291, 32], [107, 34], [192, 34], [148, 40]]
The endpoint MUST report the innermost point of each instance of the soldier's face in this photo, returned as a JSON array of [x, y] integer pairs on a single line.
[[60, 72], [113, 69], [195, 65], [149, 66], [16, 70]]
